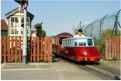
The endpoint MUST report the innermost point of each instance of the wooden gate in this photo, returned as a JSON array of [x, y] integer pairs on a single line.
[[38, 49], [112, 47]]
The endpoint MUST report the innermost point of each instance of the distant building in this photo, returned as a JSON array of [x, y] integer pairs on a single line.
[[4, 28], [15, 20], [34, 33]]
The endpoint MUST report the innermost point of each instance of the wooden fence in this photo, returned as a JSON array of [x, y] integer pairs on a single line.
[[112, 47], [38, 49]]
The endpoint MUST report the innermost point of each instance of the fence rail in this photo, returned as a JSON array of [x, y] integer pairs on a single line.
[[38, 49], [112, 47]]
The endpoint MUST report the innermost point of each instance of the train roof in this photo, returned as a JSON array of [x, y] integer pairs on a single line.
[[64, 34], [78, 38]]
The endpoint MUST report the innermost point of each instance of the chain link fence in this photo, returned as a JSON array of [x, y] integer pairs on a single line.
[[109, 21]]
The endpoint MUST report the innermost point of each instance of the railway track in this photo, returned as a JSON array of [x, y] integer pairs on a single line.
[[101, 70]]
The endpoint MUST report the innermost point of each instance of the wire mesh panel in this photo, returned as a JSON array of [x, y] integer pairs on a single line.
[[110, 21]]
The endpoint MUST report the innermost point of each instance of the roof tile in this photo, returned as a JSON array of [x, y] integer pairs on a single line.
[[4, 25]]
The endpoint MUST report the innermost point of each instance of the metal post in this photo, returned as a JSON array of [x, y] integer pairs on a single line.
[[101, 25], [24, 38]]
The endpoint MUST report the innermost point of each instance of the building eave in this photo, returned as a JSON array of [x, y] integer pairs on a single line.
[[14, 11]]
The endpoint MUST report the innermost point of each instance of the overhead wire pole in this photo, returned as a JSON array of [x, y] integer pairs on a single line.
[[24, 37], [24, 56], [24, 4]]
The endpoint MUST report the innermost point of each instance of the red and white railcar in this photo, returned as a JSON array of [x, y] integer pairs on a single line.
[[77, 49]]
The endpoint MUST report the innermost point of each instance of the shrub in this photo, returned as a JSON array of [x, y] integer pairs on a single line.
[[100, 43]]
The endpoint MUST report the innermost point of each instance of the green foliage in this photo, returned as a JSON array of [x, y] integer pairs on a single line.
[[43, 33], [40, 32], [4, 33], [100, 43]]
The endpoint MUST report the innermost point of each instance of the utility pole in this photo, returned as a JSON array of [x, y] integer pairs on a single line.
[[24, 38], [24, 4]]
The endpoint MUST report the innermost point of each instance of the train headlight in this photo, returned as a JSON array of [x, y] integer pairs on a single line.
[[85, 53]]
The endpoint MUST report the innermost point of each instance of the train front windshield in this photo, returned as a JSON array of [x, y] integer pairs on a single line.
[[82, 42], [85, 42]]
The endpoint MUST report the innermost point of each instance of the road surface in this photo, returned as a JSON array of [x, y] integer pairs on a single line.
[[63, 69]]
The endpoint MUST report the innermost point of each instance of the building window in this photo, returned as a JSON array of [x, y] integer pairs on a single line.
[[14, 25], [22, 21], [12, 19], [21, 31], [16, 31], [16, 19], [12, 31]]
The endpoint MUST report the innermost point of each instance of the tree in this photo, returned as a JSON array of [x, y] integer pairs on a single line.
[[40, 32], [43, 33]]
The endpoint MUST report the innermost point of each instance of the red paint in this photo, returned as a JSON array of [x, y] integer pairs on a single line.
[[77, 53]]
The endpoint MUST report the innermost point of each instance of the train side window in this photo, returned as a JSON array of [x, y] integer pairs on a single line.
[[66, 42], [71, 42], [75, 43], [63, 43], [90, 42]]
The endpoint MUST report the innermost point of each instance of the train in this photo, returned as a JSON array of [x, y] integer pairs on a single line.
[[81, 49]]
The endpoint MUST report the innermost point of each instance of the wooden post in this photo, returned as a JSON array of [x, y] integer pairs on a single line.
[[106, 48], [20, 49], [1, 48], [4, 48], [49, 49], [45, 49], [37, 49], [31, 47], [12, 49], [34, 54], [8, 48], [41, 55], [16, 56]]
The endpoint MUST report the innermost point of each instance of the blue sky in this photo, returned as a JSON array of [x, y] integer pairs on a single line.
[[61, 16]]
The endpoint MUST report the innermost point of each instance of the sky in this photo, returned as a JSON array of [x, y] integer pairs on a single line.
[[62, 15]]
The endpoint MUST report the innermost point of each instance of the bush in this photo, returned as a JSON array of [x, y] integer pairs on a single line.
[[100, 43]]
